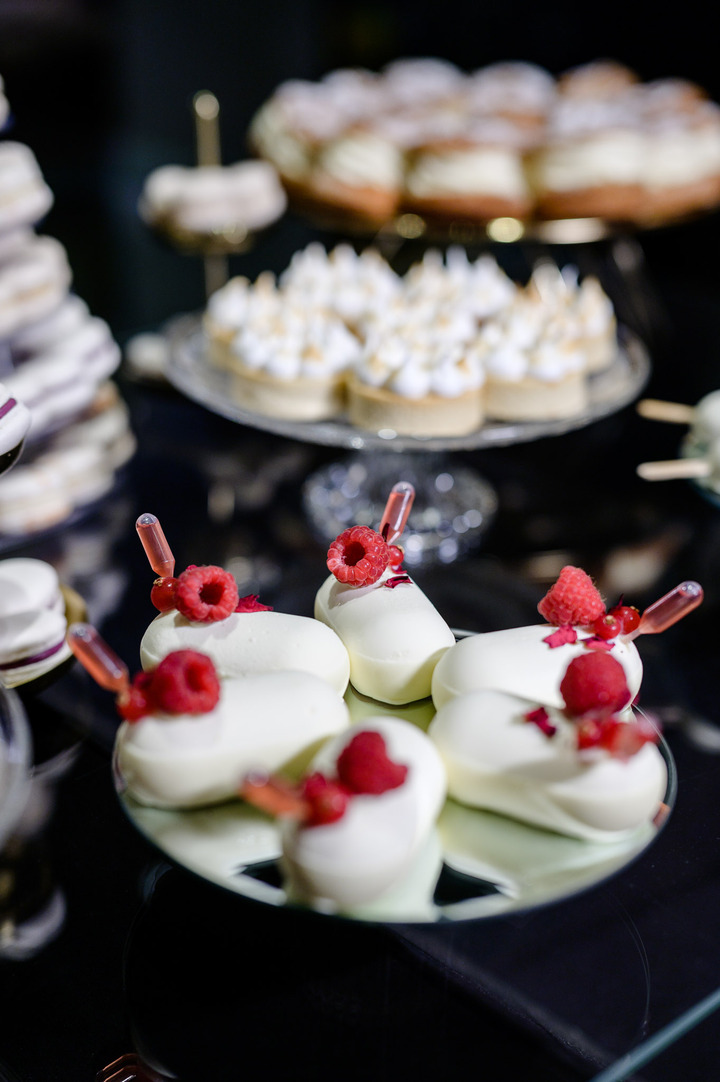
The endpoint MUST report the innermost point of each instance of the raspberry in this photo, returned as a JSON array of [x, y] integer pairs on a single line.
[[206, 594], [358, 556], [395, 557], [327, 800], [594, 683], [185, 682], [162, 594], [363, 765], [573, 599]]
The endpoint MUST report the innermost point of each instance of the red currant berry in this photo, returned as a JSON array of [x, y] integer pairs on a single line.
[[607, 626], [628, 616], [162, 594], [395, 556]]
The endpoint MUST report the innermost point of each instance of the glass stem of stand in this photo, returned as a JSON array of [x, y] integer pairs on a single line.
[[206, 111]]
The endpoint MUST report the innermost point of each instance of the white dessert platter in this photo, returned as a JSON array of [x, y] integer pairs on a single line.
[[490, 864]]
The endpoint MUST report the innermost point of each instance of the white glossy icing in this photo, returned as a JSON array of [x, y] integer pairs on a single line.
[[252, 642], [495, 170], [517, 661], [263, 721], [394, 636], [497, 760], [372, 848]]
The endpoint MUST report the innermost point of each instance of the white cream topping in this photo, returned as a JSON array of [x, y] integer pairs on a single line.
[[394, 636], [24, 195], [209, 198], [497, 760], [519, 662], [362, 159], [607, 157], [263, 722], [492, 169], [372, 848], [14, 423], [251, 642]]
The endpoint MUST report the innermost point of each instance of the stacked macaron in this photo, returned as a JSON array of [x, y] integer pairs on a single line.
[[33, 624]]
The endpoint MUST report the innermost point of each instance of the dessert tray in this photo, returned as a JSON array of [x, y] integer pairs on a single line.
[[489, 864], [189, 372]]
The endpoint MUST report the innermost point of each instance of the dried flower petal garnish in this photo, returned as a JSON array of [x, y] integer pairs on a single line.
[[564, 634], [541, 718], [250, 603]]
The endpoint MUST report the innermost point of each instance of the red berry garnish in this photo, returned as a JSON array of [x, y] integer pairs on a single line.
[[622, 739], [627, 615], [363, 765], [162, 594], [395, 557], [206, 594], [326, 799], [607, 626], [594, 683], [185, 682], [136, 702], [573, 599], [358, 556], [250, 603]]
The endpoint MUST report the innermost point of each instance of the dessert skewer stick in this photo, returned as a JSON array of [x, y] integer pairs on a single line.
[[156, 546], [656, 409], [206, 110], [671, 469], [397, 511], [668, 609], [99, 660]]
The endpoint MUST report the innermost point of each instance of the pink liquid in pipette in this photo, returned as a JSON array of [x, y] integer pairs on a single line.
[[155, 544], [397, 510], [97, 658], [669, 609]]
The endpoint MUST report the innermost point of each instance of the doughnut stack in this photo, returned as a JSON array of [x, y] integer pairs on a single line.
[[56, 361]]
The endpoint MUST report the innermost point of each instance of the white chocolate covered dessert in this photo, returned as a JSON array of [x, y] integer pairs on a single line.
[[262, 721], [24, 196], [393, 633], [200, 610], [366, 854], [499, 760], [530, 662]]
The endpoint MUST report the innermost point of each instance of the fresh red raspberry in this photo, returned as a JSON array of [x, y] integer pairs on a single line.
[[327, 800], [206, 594], [185, 682], [162, 593], [594, 683], [395, 557], [358, 556], [573, 599], [363, 765]]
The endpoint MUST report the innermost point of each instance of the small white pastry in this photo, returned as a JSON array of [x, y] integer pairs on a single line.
[[367, 853], [394, 635], [32, 621], [263, 721], [14, 426], [517, 661], [498, 760], [247, 643], [25, 198]]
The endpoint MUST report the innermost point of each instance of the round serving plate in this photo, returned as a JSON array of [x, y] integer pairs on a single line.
[[191, 373], [475, 865]]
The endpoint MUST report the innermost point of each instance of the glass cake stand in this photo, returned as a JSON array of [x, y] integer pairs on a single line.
[[454, 504], [476, 864]]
